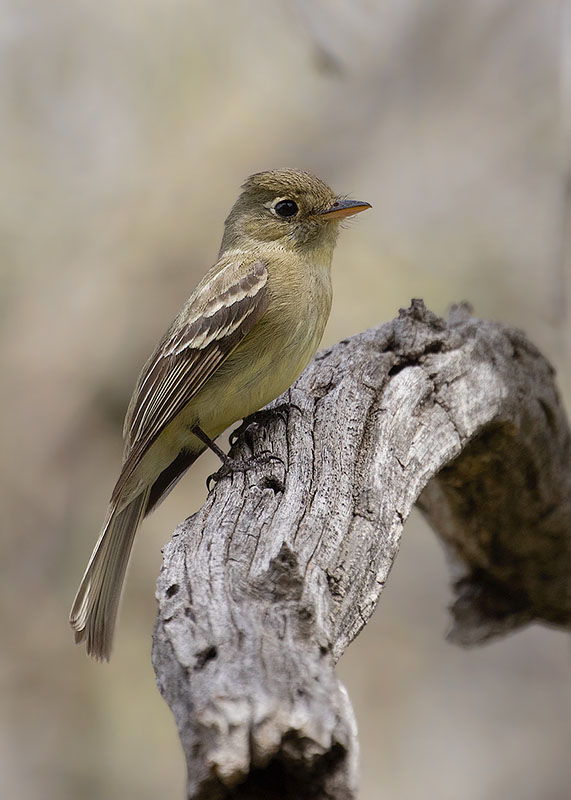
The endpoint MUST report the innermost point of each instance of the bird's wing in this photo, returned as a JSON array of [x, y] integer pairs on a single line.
[[187, 357]]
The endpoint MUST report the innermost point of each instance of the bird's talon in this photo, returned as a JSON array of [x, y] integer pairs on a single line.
[[237, 465], [266, 456], [259, 417]]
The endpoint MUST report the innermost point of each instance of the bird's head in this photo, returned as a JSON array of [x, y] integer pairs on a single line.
[[289, 207]]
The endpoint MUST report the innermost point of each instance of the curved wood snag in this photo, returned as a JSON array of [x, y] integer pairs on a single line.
[[263, 589]]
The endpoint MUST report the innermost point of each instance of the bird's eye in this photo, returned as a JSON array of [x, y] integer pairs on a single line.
[[286, 208]]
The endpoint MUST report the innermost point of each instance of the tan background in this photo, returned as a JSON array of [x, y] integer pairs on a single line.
[[127, 128]]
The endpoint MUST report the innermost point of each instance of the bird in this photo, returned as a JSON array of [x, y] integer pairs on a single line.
[[245, 334]]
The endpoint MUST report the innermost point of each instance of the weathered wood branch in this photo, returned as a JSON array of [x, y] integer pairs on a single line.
[[263, 589]]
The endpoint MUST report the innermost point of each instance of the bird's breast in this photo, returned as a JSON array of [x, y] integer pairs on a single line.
[[271, 356]]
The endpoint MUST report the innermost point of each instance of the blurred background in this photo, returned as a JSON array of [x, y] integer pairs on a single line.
[[127, 127]]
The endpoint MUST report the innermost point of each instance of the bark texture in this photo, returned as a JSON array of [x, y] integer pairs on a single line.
[[263, 589]]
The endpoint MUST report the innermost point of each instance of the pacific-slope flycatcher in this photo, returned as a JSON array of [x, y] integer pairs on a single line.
[[245, 334]]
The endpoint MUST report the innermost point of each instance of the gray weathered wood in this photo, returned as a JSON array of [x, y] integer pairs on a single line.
[[263, 589]]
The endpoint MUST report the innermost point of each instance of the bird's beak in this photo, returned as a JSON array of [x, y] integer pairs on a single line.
[[344, 208]]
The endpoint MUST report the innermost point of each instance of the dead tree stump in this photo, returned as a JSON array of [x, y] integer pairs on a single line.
[[263, 589]]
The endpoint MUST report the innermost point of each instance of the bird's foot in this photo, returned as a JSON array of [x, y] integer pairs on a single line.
[[259, 418], [232, 465]]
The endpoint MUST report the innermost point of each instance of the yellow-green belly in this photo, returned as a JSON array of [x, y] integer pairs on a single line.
[[265, 364]]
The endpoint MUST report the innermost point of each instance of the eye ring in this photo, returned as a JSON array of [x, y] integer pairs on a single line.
[[285, 208]]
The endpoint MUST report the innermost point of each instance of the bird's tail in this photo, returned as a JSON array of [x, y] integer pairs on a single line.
[[94, 609]]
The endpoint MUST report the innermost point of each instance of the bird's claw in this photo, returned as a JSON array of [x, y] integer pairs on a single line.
[[232, 465], [259, 417]]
